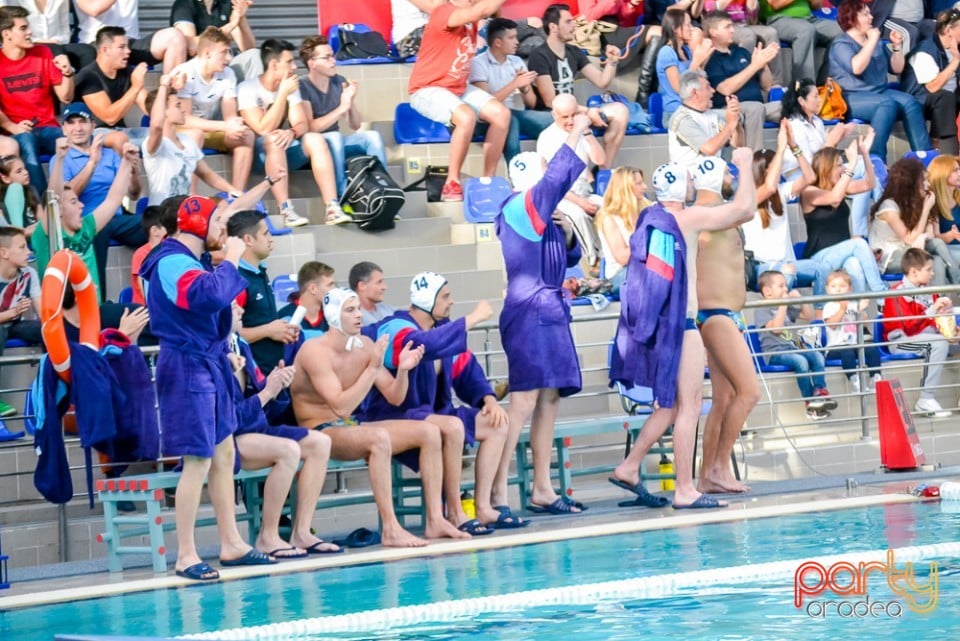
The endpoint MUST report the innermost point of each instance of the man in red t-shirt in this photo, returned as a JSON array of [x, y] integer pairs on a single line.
[[439, 90], [27, 75]]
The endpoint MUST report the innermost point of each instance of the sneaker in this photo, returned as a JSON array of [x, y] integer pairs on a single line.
[[6, 409], [823, 396], [452, 192], [816, 414], [931, 408], [291, 218], [335, 215], [854, 384]]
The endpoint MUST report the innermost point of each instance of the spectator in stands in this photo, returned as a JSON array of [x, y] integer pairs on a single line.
[[780, 342], [448, 368], [51, 27], [580, 203], [79, 232], [647, 37], [809, 36], [314, 280], [33, 78], [333, 375], [110, 89], [19, 295], [944, 175], [171, 159], [158, 222], [904, 218], [767, 235], [209, 100], [842, 318], [272, 107], [860, 65], [557, 62], [911, 18], [679, 54], [623, 201], [21, 203], [826, 215], [409, 20], [327, 97], [748, 32], [262, 327], [89, 170], [919, 335], [497, 71], [165, 45], [281, 448], [190, 312], [366, 279], [734, 71], [695, 131], [439, 90], [229, 17], [931, 76]]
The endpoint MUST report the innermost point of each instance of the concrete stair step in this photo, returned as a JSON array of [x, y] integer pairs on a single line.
[[406, 261], [414, 232]]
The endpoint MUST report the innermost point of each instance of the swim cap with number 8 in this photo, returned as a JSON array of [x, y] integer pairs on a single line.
[[670, 183]]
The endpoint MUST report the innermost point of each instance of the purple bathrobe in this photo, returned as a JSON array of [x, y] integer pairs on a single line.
[[653, 306], [535, 321]]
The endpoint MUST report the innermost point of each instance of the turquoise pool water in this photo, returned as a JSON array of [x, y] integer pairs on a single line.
[[721, 611]]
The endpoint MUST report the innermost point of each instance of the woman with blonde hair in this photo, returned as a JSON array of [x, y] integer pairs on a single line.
[[622, 203], [944, 176]]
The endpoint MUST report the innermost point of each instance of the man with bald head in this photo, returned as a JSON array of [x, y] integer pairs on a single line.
[[579, 204]]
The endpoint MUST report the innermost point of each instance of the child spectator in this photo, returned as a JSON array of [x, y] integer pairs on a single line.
[[780, 343], [841, 318], [919, 335], [21, 205], [19, 292], [159, 221]]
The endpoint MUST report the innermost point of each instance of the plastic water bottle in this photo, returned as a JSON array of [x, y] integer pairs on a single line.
[[666, 467], [468, 504], [950, 491]]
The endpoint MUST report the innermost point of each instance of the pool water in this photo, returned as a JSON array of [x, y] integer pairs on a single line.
[[721, 611]]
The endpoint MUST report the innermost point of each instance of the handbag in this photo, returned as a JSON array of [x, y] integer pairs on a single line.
[[832, 104], [588, 35], [433, 179]]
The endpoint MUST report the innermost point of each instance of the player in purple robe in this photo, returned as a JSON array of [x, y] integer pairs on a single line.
[[189, 304], [538, 246]]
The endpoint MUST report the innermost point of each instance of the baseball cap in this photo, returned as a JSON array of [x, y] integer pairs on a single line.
[[76, 109]]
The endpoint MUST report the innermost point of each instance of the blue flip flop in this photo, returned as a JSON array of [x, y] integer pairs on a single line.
[[507, 521], [315, 548], [474, 527], [705, 502], [644, 498], [283, 557], [253, 557], [577, 504], [199, 572], [560, 506], [359, 538]]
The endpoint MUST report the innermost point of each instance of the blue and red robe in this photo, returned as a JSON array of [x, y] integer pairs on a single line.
[[653, 307], [535, 321]]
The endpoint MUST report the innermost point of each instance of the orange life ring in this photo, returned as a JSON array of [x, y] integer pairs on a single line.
[[67, 266]]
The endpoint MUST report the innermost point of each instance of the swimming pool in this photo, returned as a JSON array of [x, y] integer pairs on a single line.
[[714, 609]]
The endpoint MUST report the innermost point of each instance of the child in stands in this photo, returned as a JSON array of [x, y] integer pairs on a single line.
[[841, 318], [19, 293], [781, 342]]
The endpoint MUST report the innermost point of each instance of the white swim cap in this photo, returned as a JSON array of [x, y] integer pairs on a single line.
[[424, 289], [708, 176], [333, 302], [525, 170], [670, 183]]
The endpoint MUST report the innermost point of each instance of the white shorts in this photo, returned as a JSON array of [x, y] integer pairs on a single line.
[[438, 104]]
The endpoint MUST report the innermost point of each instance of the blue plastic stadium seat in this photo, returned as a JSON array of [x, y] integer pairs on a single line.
[[15, 342], [923, 156], [482, 198], [125, 297], [603, 179], [880, 336], [283, 286], [759, 362], [655, 107], [409, 127], [334, 39]]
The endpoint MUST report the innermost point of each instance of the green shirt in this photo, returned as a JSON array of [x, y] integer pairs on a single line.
[[796, 9], [80, 242]]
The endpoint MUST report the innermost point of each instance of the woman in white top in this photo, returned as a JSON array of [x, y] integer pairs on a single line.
[[801, 108], [622, 203], [767, 234], [904, 218], [943, 172]]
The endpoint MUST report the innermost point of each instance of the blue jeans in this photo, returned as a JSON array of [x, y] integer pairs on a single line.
[[40, 141], [850, 357], [804, 364], [361, 143], [883, 108], [854, 256], [806, 270], [527, 122]]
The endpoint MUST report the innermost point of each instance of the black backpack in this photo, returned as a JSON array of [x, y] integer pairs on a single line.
[[372, 194]]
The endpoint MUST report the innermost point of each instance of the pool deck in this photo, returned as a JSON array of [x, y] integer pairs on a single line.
[[77, 581]]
